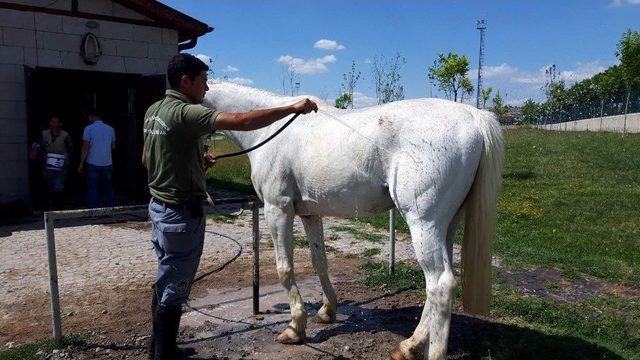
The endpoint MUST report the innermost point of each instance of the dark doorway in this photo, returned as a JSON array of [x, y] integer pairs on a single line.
[[69, 94]]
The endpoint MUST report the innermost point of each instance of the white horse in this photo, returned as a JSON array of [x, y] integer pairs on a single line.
[[430, 158]]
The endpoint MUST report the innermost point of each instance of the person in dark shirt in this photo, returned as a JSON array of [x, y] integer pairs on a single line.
[[174, 132]]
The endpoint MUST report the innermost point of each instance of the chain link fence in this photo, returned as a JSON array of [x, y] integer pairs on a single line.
[[588, 110]]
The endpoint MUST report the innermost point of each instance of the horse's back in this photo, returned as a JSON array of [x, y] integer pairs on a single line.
[[344, 166]]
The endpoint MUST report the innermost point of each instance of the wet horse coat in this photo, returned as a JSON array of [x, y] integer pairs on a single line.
[[430, 158]]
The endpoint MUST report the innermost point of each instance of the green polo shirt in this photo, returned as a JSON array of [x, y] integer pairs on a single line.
[[174, 134]]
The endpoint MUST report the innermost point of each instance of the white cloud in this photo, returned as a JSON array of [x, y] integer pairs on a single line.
[[368, 61], [309, 66], [324, 44], [514, 102], [536, 78], [619, 3], [230, 68], [507, 73], [361, 100], [240, 81], [500, 70], [516, 85], [583, 70], [205, 59]]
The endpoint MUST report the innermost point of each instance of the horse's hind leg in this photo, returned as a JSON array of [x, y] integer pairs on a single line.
[[412, 348], [431, 334], [313, 228], [280, 221]]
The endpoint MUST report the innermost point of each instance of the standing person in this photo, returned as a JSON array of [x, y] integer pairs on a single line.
[[99, 140], [174, 131], [57, 147]]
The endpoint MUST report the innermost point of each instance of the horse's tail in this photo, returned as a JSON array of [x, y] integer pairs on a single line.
[[480, 217]]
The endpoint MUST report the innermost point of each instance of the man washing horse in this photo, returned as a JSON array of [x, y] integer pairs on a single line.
[[174, 133]]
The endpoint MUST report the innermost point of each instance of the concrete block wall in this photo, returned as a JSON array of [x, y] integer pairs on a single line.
[[608, 123], [48, 40]]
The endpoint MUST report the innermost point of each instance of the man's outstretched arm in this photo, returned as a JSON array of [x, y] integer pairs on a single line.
[[257, 119]]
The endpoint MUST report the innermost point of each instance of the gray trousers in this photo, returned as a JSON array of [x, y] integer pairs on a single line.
[[177, 234]]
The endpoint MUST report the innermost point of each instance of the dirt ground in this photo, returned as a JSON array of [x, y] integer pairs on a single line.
[[220, 324], [106, 271]]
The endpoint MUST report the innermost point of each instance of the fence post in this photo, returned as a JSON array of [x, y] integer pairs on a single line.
[[626, 109], [601, 112], [255, 211], [392, 241], [53, 278]]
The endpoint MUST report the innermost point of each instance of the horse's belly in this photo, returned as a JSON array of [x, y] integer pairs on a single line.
[[361, 200]]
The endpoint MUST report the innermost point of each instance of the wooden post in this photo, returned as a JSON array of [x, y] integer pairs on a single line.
[[53, 279]]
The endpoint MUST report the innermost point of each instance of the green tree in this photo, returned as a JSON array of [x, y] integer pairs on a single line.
[[498, 106], [466, 88], [554, 88], [344, 101], [530, 112], [450, 73], [629, 55], [486, 93]]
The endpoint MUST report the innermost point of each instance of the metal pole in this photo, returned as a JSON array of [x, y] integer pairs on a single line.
[[626, 109], [256, 257], [601, 112], [392, 241], [53, 278], [481, 25]]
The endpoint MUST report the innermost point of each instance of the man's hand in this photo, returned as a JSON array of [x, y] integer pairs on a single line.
[[80, 169], [305, 106], [209, 160]]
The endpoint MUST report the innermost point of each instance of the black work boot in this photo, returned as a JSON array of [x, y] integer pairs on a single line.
[[166, 332]]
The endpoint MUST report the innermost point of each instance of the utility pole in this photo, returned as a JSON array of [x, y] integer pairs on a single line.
[[481, 26]]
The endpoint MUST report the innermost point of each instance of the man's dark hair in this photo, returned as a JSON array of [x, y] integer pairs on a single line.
[[184, 64], [95, 112]]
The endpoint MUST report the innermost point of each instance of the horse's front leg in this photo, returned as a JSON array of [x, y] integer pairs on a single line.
[[280, 220], [313, 228]]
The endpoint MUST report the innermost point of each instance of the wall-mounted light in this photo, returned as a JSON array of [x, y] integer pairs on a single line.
[[92, 24]]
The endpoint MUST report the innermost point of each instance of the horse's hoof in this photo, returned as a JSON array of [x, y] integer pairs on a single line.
[[398, 354], [324, 319], [290, 337]]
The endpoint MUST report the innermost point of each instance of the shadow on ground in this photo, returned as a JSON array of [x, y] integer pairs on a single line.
[[471, 337]]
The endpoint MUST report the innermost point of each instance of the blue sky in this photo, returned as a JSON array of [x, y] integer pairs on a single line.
[[255, 42]]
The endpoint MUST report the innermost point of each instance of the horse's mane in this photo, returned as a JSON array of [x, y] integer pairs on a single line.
[[263, 93]]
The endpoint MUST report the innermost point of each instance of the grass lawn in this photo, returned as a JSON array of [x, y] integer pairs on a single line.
[[526, 327], [232, 174], [30, 351], [570, 202]]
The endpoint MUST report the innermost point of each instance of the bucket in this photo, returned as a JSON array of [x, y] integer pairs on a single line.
[[55, 162]]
